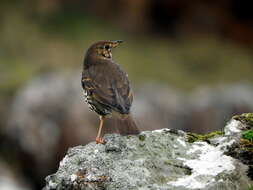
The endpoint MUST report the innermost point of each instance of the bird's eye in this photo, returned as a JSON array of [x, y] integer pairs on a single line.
[[107, 47]]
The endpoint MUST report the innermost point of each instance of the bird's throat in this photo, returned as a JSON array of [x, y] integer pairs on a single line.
[[107, 54]]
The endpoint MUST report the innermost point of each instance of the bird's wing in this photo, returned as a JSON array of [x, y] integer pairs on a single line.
[[109, 85]]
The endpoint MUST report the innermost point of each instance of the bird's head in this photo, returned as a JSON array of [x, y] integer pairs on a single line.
[[103, 49]]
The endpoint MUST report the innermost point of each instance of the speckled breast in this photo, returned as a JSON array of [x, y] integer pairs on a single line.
[[96, 106]]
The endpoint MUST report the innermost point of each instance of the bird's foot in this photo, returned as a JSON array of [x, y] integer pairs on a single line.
[[100, 140]]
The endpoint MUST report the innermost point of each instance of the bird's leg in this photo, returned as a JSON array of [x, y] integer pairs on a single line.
[[99, 140]]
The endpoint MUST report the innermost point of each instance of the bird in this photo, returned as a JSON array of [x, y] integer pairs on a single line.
[[107, 88]]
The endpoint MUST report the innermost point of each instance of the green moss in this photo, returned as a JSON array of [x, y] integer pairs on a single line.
[[248, 135], [142, 137], [168, 162], [193, 137], [250, 188], [246, 118], [247, 146]]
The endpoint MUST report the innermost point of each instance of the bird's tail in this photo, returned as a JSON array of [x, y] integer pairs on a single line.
[[127, 126]]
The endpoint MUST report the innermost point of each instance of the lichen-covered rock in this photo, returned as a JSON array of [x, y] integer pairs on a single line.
[[243, 134], [48, 114], [155, 160]]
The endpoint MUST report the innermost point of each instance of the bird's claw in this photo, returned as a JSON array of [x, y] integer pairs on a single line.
[[100, 140]]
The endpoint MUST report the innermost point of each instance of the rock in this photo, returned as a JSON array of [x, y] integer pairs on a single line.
[[48, 114], [243, 134], [157, 160]]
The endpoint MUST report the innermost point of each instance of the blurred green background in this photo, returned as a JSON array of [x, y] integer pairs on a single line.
[[182, 44]]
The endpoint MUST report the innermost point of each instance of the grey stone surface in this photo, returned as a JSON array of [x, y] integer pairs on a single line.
[[48, 114], [155, 160]]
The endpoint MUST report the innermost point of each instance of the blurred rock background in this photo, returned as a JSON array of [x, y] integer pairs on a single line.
[[190, 64]]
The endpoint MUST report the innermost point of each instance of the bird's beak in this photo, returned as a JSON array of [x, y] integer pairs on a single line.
[[116, 43]]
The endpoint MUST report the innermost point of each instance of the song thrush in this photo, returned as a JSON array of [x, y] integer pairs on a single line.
[[106, 87]]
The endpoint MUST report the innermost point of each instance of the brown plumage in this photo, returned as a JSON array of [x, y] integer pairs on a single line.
[[107, 89]]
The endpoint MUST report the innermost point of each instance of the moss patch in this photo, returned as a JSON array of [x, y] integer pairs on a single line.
[[246, 155], [142, 137], [246, 118], [247, 145], [248, 135], [193, 137]]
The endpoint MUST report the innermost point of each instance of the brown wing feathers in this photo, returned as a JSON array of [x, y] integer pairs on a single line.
[[112, 90]]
